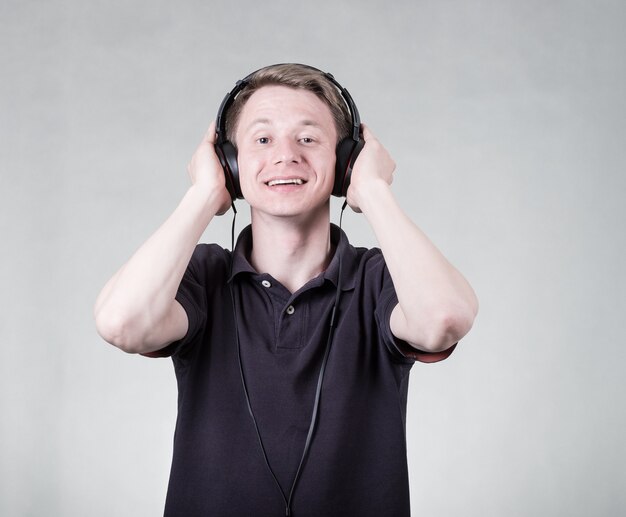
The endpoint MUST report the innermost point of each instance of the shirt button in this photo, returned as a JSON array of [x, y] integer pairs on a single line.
[[266, 283], [291, 310]]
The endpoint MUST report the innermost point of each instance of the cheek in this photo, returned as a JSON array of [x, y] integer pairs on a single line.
[[246, 167], [330, 168], [249, 169]]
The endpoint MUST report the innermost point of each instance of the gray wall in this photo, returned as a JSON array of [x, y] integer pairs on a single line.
[[506, 119]]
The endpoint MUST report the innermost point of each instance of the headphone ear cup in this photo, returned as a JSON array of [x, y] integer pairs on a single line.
[[228, 158], [343, 153], [347, 152]]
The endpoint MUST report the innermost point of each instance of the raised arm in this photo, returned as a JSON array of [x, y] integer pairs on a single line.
[[136, 310], [436, 305]]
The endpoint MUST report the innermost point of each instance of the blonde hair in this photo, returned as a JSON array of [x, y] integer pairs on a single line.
[[297, 76]]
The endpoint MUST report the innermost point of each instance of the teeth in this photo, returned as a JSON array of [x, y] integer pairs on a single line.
[[293, 181]]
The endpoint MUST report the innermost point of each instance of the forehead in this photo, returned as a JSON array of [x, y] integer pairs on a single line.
[[281, 105]]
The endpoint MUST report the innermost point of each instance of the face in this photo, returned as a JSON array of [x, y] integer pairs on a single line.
[[286, 140]]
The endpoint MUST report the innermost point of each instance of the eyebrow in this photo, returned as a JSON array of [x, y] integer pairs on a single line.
[[259, 121], [268, 122]]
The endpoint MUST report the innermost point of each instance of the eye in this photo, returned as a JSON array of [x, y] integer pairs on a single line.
[[306, 140], [263, 140]]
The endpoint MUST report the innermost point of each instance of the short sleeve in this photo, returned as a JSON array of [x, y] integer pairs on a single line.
[[192, 294]]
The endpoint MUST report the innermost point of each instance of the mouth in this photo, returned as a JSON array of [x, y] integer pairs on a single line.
[[286, 181]]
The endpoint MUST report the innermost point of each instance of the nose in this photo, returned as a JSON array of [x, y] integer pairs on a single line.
[[286, 151]]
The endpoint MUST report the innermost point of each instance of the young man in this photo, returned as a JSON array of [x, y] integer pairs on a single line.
[[278, 413]]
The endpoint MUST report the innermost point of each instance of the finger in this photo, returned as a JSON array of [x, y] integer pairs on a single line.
[[210, 135], [367, 133], [354, 207]]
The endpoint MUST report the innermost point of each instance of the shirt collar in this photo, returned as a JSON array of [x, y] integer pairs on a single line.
[[339, 241]]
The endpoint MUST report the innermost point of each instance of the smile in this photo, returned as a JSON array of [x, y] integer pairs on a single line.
[[290, 181]]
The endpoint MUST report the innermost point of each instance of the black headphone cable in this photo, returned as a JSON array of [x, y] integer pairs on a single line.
[[320, 379]]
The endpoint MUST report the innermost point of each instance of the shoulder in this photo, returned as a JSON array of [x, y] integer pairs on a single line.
[[211, 253], [209, 258], [358, 264], [370, 264]]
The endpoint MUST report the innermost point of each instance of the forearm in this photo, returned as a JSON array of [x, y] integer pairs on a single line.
[[437, 306], [137, 302]]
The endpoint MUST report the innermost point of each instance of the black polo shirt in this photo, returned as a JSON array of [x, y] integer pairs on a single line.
[[357, 463]]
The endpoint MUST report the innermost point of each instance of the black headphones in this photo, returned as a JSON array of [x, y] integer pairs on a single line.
[[347, 149]]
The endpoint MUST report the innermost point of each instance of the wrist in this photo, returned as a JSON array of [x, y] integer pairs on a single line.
[[208, 201], [368, 194]]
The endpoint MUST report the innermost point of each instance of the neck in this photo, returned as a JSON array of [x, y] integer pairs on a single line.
[[293, 252]]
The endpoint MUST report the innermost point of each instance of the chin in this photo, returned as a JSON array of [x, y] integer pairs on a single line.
[[292, 209]]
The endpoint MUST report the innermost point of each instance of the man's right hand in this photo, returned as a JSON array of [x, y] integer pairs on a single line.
[[207, 174], [137, 309]]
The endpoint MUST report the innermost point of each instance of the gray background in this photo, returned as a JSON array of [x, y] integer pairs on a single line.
[[506, 119]]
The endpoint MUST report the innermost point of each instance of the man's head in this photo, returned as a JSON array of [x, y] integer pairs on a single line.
[[304, 80], [295, 76]]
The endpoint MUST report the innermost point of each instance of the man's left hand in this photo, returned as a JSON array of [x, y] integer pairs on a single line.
[[373, 166]]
